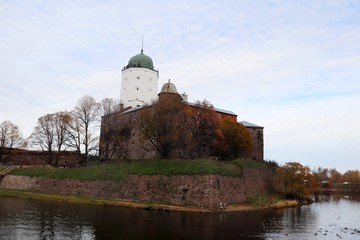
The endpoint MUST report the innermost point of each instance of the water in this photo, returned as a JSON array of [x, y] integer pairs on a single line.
[[331, 217]]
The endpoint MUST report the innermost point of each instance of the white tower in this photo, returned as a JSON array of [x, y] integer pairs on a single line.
[[139, 81]]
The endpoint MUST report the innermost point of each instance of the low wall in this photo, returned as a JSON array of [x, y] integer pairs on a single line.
[[13, 156], [196, 191]]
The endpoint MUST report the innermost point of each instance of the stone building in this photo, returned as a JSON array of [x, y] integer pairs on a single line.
[[257, 137], [139, 92]]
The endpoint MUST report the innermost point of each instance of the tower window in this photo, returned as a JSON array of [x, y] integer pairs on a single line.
[[137, 77], [137, 88]]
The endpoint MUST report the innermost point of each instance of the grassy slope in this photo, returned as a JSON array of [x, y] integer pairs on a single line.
[[118, 170], [272, 201]]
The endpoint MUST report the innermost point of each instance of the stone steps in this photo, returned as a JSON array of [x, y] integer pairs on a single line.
[[9, 170]]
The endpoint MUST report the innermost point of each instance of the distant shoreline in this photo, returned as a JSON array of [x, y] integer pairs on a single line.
[[339, 190]]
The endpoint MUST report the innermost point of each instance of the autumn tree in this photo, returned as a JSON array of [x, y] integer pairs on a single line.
[[202, 123], [335, 176], [114, 135], [86, 117], [163, 125], [233, 140], [351, 176], [293, 180], [322, 174], [10, 137]]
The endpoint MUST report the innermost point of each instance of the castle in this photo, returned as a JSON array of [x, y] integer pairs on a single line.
[[120, 135]]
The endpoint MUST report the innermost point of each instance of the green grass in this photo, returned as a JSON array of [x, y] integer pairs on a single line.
[[2, 167], [264, 200], [116, 171]]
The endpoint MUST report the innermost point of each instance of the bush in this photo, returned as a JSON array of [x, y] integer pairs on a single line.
[[294, 181]]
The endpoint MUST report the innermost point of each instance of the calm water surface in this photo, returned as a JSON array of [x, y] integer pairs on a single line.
[[331, 217]]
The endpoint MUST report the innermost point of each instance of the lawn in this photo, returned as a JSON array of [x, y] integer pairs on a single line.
[[116, 170]]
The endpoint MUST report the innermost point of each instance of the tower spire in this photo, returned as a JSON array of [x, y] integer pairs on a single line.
[[142, 44]]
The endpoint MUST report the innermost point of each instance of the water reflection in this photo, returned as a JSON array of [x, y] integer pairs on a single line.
[[336, 197], [29, 219], [330, 217]]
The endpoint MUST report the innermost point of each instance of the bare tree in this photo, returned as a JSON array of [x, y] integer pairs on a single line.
[[62, 121], [113, 136], [44, 135], [163, 125], [87, 113], [74, 133], [202, 122], [10, 137], [113, 139], [108, 106]]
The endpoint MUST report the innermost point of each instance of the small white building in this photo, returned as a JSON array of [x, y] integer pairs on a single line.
[[139, 83]]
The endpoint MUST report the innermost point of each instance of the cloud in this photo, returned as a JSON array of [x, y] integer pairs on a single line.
[[289, 66]]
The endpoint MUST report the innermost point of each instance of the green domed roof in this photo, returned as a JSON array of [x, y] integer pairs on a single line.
[[141, 60]]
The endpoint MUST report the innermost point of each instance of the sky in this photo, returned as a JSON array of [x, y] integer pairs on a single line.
[[292, 67]]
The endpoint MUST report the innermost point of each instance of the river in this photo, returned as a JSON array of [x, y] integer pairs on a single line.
[[330, 217]]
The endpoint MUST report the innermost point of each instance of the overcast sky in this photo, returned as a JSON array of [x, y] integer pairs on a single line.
[[290, 66]]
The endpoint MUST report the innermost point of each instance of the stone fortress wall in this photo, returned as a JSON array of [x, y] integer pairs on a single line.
[[195, 191]]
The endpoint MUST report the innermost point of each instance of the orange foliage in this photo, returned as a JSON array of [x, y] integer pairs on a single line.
[[294, 180], [233, 139]]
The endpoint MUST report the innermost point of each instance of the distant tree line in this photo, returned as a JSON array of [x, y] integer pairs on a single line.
[[331, 176], [293, 180]]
